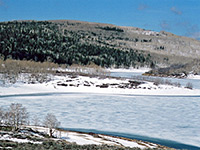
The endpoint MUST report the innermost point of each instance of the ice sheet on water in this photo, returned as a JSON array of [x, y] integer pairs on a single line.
[[173, 118]]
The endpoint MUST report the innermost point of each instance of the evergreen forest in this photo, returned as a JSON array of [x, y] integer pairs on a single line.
[[42, 41]]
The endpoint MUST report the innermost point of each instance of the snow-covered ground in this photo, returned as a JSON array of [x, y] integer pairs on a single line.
[[139, 70], [97, 139], [7, 137], [191, 76], [85, 84]]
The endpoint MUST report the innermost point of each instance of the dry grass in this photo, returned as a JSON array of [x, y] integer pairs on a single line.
[[91, 69], [157, 80], [174, 45], [11, 69], [17, 66]]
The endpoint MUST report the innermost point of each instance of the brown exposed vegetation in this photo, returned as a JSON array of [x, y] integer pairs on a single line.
[[22, 66], [11, 69], [180, 70], [160, 43], [14, 117], [91, 69], [156, 80]]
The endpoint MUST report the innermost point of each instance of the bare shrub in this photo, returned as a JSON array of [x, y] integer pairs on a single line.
[[157, 81], [17, 115], [189, 85], [51, 122], [168, 82], [91, 69], [14, 117], [177, 84], [11, 69], [36, 121], [6, 118], [2, 114]]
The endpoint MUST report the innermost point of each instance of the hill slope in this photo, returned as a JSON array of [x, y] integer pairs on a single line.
[[69, 42], [135, 38], [57, 42]]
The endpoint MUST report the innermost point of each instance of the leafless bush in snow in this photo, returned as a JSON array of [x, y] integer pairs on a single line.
[[51, 122], [157, 81], [189, 85]]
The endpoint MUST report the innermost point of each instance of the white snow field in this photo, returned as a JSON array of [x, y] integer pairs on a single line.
[[191, 76], [84, 84]]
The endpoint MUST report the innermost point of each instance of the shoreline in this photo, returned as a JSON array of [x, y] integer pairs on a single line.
[[162, 142], [97, 85], [193, 77], [139, 70], [91, 85], [42, 89], [143, 70], [92, 137], [88, 93]]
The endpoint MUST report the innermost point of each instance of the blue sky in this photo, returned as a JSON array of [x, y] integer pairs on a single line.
[[180, 17]]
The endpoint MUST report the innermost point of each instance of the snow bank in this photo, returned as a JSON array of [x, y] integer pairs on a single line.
[[192, 76], [97, 139], [127, 143], [83, 84], [7, 137]]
